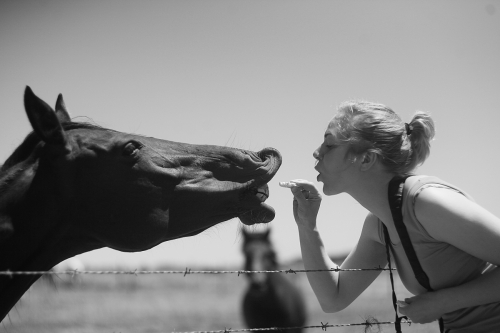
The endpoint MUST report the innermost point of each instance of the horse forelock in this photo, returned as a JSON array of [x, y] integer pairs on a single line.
[[18, 162], [250, 249]]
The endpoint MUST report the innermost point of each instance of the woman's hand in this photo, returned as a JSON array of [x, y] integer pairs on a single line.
[[306, 202], [421, 309]]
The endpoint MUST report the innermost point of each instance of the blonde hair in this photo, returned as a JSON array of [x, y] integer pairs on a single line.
[[373, 127]]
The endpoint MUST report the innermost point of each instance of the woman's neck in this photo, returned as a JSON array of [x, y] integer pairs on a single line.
[[371, 192]]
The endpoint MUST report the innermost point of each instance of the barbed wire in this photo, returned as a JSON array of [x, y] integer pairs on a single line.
[[367, 323], [187, 271]]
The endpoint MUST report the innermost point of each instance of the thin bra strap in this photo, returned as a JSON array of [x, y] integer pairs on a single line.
[[395, 202]]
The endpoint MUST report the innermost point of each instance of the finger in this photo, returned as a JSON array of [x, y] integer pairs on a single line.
[[302, 189], [287, 184], [402, 303], [402, 311], [302, 194], [305, 184], [409, 300], [299, 193], [295, 209], [298, 189], [308, 186]]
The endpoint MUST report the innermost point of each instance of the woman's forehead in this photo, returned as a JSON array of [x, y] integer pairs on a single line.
[[331, 134], [335, 132]]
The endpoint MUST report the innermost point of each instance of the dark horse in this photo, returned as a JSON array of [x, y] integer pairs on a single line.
[[271, 299], [74, 187]]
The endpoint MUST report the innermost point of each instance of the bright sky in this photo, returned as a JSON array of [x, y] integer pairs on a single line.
[[254, 74]]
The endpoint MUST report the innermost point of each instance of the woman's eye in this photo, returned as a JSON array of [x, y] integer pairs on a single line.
[[130, 148]]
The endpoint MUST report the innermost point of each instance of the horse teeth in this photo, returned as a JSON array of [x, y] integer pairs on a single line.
[[287, 184], [262, 193], [262, 197]]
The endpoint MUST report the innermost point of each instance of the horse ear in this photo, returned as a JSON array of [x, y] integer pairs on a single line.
[[44, 121], [61, 111]]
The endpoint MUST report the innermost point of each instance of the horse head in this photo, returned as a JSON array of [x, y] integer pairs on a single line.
[[74, 187], [259, 256]]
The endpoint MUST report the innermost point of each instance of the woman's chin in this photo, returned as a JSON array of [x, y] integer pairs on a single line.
[[328, 190]]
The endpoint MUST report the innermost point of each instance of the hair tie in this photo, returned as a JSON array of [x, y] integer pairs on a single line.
[[408, 128]]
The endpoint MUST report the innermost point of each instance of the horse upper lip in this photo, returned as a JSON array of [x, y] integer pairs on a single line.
[[271, 159]]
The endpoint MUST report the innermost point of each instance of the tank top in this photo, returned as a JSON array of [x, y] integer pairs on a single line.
[[445, 265]]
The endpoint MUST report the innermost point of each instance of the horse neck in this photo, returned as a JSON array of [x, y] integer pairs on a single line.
[[30, 212]]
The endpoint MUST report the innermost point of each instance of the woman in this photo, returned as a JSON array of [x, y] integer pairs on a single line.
[[365, 146]]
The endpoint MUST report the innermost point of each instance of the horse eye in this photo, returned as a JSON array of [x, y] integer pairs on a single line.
[[130, 148]]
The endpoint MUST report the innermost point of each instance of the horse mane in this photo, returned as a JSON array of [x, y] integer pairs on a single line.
[[25, 149], [9, 173]]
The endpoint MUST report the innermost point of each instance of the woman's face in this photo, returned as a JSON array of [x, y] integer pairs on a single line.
[[333, 166]]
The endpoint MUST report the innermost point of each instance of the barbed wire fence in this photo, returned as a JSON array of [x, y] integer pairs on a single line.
[[368, 323], [187, 271]]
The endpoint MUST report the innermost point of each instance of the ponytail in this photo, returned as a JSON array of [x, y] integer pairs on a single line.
[[422, 133]]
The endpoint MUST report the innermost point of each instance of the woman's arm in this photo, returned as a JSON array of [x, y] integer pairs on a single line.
[[334, 290], [450, 217]]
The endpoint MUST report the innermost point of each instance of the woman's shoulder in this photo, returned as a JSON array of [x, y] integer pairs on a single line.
[[422, 180], [434, 199], [415, 186], [450, 217], [423, 195]]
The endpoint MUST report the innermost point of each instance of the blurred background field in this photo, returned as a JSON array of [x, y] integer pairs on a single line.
[[177, 303]]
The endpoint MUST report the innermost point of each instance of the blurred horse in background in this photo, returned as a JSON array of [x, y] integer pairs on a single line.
[[271, 299]]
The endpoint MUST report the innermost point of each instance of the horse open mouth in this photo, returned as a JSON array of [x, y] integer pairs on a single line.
[[262, 192], [263, 213]]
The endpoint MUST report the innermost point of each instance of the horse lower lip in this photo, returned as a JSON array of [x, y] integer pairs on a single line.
[[263, 214]]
